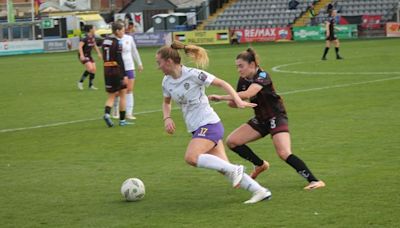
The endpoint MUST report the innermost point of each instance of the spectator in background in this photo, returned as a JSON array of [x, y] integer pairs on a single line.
[[336, 6], [234, 37], [293, 4], [311, 14]]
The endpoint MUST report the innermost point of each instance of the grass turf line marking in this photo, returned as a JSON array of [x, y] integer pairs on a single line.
[[176, 108], [278, 69]]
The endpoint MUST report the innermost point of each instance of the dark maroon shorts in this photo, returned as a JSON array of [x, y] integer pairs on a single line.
[[87, 59], [272, 126], [114, 79], [331, 38]]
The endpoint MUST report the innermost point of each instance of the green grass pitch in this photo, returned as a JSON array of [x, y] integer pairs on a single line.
[[61, 167]]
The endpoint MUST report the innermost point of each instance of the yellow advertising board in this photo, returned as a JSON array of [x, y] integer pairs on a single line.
[[203, 37]]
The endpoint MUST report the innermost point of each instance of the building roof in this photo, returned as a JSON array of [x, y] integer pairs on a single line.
[[141, 5], [187, 3]]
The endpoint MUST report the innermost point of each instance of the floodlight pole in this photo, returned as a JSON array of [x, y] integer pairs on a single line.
[[33, 19]]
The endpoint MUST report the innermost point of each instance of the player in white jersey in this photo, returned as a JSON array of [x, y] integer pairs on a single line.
[[186, 86], [129, 54]]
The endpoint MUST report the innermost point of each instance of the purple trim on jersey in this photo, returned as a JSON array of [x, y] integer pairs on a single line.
[[213, 132], [130, 74]]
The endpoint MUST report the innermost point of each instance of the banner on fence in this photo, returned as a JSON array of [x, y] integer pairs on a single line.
[[262, 34], [203, 37], [319, 32], [393, 29], [21, 47], [56, 45], [152, 39]]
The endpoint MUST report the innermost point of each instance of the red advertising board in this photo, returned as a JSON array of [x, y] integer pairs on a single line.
[[393, 29], [371, 21], [263, 34]]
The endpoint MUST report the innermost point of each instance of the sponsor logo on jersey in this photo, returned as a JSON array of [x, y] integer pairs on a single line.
[[202, 77], [262, 74], [107, 42], [186, 86]]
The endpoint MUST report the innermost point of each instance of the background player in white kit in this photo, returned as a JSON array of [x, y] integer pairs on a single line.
[[129, 53], [186, 86]]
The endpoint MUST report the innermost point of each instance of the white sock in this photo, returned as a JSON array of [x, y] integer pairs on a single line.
[[129, 103], [133, 103], [249, 184], [116, 105], [209, 161]]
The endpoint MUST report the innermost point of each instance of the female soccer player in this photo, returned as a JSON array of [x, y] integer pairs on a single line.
[[129, 53], [186, 86], [270, 118], [86, 44], [330, 35], [114, 73]]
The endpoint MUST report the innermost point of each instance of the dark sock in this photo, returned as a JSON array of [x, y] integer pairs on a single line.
[[246, 153], [325, 52], [121, 115], [84, 75], [337, 51], [300, 167], [91, 78], [107, 110]]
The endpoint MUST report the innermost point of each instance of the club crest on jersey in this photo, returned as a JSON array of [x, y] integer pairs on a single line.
[[262, 74], [202, 77], [186, 86]]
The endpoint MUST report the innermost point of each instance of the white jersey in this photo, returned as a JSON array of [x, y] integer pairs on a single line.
[[130, 53], [188, 92]]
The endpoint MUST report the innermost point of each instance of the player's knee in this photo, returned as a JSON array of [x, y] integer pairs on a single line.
[[283, 154], [232, 143], [191, 160]]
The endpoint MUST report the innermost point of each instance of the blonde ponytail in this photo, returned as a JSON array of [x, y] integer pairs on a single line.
[[198, 54]]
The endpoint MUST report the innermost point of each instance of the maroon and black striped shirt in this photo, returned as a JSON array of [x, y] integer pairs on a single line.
[[269, 103]]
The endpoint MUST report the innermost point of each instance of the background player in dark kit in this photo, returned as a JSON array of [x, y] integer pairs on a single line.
[[330, 34], [86, 44], [114, 73]]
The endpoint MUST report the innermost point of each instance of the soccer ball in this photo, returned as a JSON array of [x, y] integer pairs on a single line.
[[133, 189]]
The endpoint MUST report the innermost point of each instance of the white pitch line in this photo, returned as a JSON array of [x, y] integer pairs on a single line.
[[340, 85], [176, 108], [278, 69]]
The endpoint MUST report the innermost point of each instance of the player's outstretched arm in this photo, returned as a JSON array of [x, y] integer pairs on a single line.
[[232, 94]]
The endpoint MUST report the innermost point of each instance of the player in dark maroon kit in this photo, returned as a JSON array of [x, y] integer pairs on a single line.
[[86, 44], [330, 34], [114, 73], [270, 118]]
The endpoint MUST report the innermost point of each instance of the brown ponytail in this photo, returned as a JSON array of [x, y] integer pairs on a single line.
[[249, 56], [198, 54]]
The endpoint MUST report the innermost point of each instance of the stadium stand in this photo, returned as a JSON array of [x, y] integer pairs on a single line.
[[384, 8], [257, 13]]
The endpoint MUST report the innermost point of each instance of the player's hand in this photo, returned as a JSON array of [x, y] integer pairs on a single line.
[[82, 58], [214, 97], [140, 68], [232, 104], [169, 126], [244, 104]]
